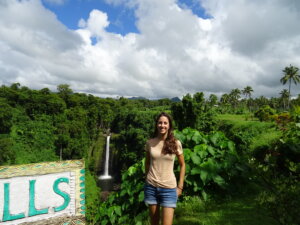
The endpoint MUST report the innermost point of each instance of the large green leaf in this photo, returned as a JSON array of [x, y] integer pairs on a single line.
[[231, 146], [201, 150], [204, 195], [223, 144], [187, 168], [196, 170], [203, 176], [131, 170], [186, 131], [195, 158], [214, 138], [118, 210], [197, 138], [141, 196], [208, 165], [201, 147], [187, 154], [180, 136], [219, 180], [211, 150], [203, 154]]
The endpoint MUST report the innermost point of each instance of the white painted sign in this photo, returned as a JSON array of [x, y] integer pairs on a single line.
[[41, 196]]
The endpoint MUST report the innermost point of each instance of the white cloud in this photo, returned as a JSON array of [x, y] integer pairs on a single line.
[[246, 42], [96, 23]]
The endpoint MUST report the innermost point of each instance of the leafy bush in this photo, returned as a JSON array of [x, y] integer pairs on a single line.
[[33, 140], [92, 198], [212, 163], [126, 206], [193, 112], [296, 114], [283, 200], [264, 113], [282, 120], [247, 135], [134, 128], [279, 168]]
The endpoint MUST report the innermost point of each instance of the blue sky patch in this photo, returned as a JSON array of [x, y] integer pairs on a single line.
[[195, 7], [122, 19]]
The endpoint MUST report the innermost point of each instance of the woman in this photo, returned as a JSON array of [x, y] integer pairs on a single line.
[[161, 188]]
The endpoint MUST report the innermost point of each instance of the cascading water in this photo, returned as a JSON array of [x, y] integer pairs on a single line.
[[106, 175]]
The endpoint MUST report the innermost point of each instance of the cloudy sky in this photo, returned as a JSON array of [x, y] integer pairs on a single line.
[[150, 48]]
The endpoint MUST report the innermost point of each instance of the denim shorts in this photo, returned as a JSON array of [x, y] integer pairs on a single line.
[[165, 197]]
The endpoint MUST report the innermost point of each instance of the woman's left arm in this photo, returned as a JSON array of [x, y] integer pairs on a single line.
[[181, 174]]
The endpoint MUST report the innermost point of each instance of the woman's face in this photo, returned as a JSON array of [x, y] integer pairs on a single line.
[[163, 125]]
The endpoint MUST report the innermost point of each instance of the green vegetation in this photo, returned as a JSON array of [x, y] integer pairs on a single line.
[[248, 134], [242, 155], [234, 211], [40, 125], [213, 159]]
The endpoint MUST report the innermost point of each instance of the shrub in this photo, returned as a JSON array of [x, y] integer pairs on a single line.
[[279, 168], [264, 113], [212, 163], [282, 120], [126, 206], [296, 114]]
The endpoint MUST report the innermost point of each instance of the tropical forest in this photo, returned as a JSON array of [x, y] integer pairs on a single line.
[[242, 153]]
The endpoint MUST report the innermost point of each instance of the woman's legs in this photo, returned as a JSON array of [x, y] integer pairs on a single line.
[[167, 216], [154, 211]]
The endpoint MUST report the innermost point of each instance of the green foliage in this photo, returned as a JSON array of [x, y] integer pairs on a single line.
[[7, 155], [33, 141], [283, 200], [135, 127], [264, 113], [227, 211], [296, 114], [278, 167], [6, 114], [92, 198], [193, 112], [126, 206], [247, 135], [212, 163]]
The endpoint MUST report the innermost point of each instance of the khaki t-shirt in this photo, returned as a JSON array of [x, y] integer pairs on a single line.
[[161, 172]]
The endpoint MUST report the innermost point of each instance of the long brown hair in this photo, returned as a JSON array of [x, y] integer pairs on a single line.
[[170, 145]]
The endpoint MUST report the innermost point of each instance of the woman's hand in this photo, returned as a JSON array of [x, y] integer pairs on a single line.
[[179, 191]]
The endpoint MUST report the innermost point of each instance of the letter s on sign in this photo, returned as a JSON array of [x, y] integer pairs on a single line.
[[65, 195]]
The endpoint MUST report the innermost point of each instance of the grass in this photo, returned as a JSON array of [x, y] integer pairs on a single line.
[[266, 138], [244, 118], [238, 211], [261, 133]]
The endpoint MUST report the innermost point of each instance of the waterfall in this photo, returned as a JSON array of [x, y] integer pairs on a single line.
[[106, 163]]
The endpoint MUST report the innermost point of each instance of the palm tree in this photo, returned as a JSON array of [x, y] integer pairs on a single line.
[[234, 96], [290, 73], [262, 101], [213, 100], [224, 99], [285, 95], [247, 92]]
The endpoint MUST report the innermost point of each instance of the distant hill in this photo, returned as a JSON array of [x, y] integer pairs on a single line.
[[175, 99], [138, 97]]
